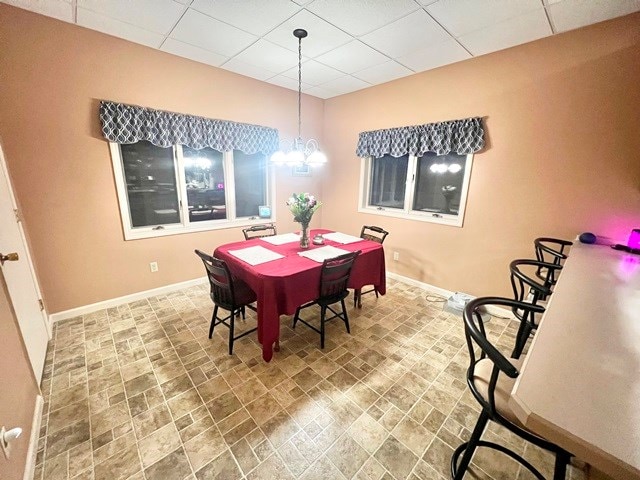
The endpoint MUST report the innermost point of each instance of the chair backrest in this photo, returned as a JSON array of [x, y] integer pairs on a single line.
[[258, 231], [335, 274], [476, 336], [550, 250], [220, 280], [524, 284], [373, 233]]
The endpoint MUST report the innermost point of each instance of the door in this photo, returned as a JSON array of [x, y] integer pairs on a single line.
[[20, 278]]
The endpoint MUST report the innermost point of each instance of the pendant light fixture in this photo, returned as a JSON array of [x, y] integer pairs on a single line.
[[299, 152]]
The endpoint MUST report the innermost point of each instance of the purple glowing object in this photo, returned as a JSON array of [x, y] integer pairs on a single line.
[[634, 239]]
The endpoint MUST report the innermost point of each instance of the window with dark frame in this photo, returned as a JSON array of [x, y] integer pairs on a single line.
[[178, 189]]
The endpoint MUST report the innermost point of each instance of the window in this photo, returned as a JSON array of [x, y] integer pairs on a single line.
[[165, 191], [429, 188]]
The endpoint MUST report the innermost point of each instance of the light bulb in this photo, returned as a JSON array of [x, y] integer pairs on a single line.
[[278, 157], [317, 158], [455, 167], [295, 157]]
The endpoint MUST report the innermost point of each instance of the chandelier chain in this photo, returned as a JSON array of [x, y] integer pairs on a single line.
[[299, 87]]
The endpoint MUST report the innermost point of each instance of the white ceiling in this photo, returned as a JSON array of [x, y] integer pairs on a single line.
[[352, 44]]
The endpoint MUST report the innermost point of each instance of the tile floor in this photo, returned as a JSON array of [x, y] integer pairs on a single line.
[[140, 392]]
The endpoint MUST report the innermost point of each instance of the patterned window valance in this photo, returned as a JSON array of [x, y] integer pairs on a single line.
[[123, 123], [459, 136]]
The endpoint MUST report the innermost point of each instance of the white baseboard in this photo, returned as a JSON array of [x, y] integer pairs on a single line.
[[30, 465], [94, 307], [495, 311], [425, 286]]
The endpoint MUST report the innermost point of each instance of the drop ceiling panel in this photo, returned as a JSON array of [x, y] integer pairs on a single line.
[[268, 56], [352, 44], [314, 73], [152, 15], [515, 31], [320, 92], [60, 9], [202, 31], [111, 26], [286, 82], [357, 17], [194, 53], [464, 16], [352, 57], [406, 35], [322, 35], [345, 84], [254, 16], [570, 14], [383, 73], [435, 56], [238, 66]]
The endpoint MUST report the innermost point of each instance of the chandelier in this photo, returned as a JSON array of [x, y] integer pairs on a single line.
[[299, 152]]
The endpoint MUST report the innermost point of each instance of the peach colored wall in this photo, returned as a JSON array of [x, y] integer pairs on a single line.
[[19, 388], [561, 158], [53, 75], [561, 155]]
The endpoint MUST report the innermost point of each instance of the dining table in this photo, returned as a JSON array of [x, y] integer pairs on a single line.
[[291, 279]]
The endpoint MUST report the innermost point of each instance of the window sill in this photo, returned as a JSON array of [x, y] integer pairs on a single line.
[[149, 232], [441, 219]]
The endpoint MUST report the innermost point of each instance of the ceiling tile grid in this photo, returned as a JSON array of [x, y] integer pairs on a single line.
[[351, 45]]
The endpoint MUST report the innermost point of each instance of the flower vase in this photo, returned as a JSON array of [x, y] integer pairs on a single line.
[[304, 236]]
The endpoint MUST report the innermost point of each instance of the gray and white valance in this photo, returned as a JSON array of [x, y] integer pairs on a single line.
[[459, 136], [123, 123]]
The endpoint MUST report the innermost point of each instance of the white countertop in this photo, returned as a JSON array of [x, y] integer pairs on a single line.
[[580, 384]]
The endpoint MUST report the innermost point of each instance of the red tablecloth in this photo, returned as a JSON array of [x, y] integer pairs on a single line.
[[283, 285]]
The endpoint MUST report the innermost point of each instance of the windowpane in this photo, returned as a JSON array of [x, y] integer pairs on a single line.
[[151, 184], [439, 183], [388, 181], [204, 175], [250, 177]]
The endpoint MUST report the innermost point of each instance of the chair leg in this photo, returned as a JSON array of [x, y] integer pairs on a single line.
[[458, 471], [323, 313], [521, 339], [243, 313], [213, 321], [356, 297], [560, 469], [346, 317], [516, 348], [231, 331], [375, 289], [295, 318]]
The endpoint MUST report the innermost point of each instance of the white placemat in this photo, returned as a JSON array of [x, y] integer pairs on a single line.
[[282, 239], [342, 238], [255, 255], [321, 254]]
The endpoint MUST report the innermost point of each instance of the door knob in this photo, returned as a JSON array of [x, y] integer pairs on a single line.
[[9, 257]]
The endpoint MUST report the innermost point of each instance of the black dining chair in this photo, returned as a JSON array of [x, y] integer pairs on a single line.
[[375, 234], [527, 288], [259, 231], [334, 278], [550, 250], [228, 293], [491, 378]]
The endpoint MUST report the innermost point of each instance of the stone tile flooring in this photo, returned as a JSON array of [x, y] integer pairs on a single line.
[[140, 392]]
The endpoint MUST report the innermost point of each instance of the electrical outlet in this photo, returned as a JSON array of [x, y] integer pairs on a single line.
[[153, 266], [396, 256]]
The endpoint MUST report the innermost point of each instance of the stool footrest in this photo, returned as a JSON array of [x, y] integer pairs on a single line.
[[494, 446]]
